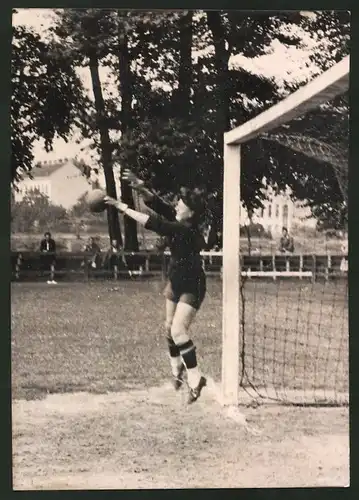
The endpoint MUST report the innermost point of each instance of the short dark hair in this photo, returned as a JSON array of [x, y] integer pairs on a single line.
[[195, 199], [284, 229], [47, 233]]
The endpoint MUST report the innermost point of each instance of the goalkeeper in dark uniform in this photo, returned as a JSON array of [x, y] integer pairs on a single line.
[[186, 287]]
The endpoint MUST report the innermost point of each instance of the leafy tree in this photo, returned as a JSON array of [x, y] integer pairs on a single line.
[[122, 68], [46, 94], [81, 210], [172, 109], [35, 212], [332, 30], [308, 178], [84, 34], [321, 181], [182, 95]]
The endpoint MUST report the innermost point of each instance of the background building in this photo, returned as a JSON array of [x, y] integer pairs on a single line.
[[61, 180], [279, 211]]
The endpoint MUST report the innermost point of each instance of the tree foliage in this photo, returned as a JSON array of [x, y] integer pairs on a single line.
[[46, 97], [85, 34], [35, 213], [177, 92]]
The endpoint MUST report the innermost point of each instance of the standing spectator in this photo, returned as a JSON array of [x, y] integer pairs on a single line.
[[111, 258], [161, 244], [214, 240], [48, 256], [93, 252], [286, 244]]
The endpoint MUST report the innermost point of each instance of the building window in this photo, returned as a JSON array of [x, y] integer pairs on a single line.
[[285, 216], [277, 211], [270, 211], [262, 212]]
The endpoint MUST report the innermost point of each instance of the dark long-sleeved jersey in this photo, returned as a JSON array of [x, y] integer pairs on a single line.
[[185, 242]]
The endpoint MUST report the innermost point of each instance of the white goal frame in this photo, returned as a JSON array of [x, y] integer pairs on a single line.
[[322, 89]]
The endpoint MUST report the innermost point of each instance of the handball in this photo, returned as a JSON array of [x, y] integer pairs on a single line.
[[96, 200]]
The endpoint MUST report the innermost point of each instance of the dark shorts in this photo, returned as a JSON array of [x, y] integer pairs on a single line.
[[192, 293], [46, 261]]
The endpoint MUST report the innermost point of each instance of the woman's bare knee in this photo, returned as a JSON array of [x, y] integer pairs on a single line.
[[181, 323], [184, 316], [168, 326], [179, 334]]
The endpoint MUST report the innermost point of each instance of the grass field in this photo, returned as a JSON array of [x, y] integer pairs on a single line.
[[93, 408]]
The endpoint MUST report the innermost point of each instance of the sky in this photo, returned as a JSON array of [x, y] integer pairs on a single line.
[[281, 63]]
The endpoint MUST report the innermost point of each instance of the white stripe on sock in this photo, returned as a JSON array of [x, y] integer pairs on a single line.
[[194, 376], [176, 364]]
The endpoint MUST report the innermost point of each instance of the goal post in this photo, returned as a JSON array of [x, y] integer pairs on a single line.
[[231, 274], [333, 82]]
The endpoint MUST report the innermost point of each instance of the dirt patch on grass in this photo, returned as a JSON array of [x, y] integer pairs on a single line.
[[152, 439]]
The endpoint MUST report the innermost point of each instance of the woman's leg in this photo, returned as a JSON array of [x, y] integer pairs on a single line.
[[174, 352], [183, 318]]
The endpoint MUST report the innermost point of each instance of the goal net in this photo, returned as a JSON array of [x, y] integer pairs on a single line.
[[286, 337], [334, 156]]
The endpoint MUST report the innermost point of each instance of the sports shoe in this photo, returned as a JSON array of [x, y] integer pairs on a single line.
[[178, 380], [195, 393]]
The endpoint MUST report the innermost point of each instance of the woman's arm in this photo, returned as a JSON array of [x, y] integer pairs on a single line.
[[160, 226], [161, 207], [152, 200], [137, 184], [139, 217]]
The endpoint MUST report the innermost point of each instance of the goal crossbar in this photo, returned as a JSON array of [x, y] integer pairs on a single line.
[[333, 82]]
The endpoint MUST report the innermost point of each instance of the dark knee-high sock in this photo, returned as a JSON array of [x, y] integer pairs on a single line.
[[175, 355], [188, 353]]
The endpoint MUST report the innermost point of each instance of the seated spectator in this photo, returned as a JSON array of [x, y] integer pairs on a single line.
[[213, 240], [218, 244], [161, 244], [94, 253], [48, 256], [286, 244]]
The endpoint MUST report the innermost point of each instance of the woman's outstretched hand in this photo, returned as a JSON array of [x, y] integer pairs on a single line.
[[116, 203], [131, 178]]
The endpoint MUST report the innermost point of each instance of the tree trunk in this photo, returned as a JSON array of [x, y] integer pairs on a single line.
[[221, 59], [222, 97], [249, 236], [248, 231], [106, 150], [125, 89], [183, 94]]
